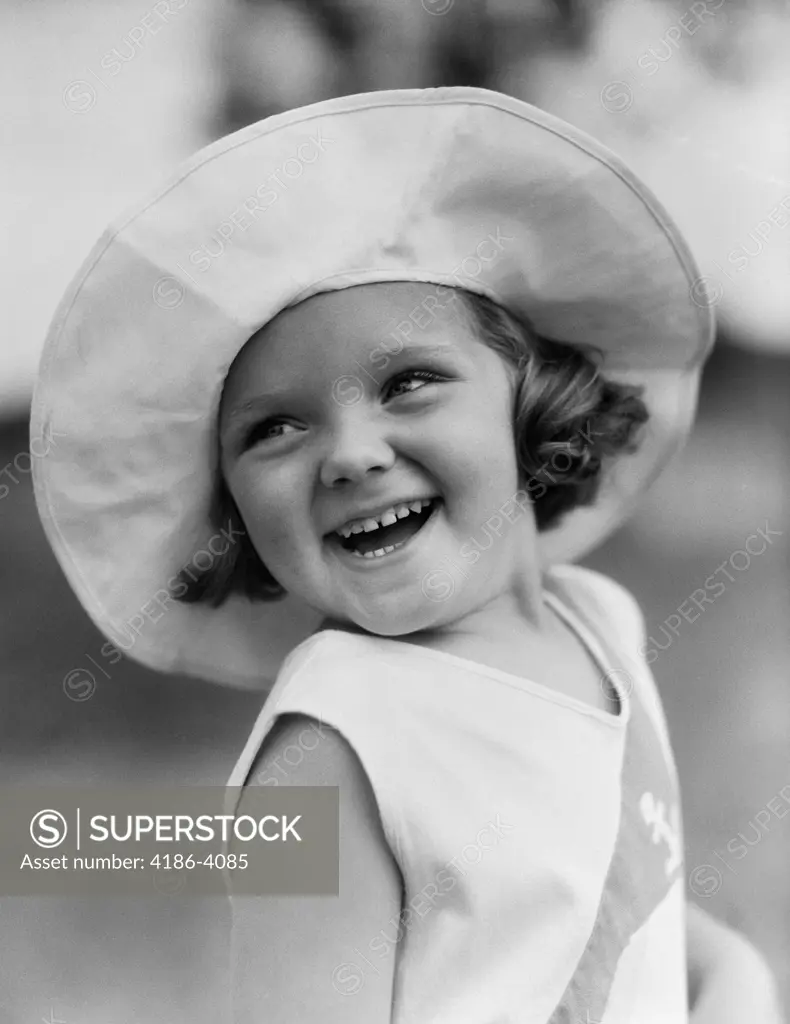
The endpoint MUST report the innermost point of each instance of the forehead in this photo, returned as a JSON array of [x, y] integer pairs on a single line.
[[373, 308], [319, 333]]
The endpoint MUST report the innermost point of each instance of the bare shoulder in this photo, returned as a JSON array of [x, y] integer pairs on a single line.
[[293, 957], [302, 751]]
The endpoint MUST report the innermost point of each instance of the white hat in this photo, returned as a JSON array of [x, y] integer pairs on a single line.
[[387, 186]]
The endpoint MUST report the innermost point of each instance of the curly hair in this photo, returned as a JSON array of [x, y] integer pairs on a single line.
[[567, 419]]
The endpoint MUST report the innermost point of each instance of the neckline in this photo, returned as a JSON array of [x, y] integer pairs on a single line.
[[597, 652], [588, 640]]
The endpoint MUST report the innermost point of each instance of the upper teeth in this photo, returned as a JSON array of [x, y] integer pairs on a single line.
[[385, 519]]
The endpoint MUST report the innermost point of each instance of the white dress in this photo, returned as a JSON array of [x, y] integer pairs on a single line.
[[539, 838]]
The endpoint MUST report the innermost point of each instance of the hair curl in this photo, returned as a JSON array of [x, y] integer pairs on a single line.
[[567, 419]]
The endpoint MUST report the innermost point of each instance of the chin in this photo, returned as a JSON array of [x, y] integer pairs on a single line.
[[396, 622]]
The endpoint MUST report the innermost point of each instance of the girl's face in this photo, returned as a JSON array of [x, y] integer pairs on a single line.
[[334, 420]]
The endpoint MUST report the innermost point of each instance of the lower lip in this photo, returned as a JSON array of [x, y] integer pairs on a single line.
[[366, 564]]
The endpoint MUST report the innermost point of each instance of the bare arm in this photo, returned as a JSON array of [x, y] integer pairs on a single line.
[[729, 981], [299, 958]]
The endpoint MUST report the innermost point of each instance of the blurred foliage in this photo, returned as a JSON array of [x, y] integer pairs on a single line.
[[283, 53]]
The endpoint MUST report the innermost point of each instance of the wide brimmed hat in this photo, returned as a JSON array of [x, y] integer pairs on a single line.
[[457, 187]]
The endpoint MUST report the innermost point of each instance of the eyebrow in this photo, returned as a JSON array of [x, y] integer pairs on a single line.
[[408, 348], [416, 347], [240, 409]]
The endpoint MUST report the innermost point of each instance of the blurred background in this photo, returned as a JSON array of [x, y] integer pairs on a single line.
[[99, 99]]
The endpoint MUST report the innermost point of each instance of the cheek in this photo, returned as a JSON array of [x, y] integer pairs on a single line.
[[271, 538], [270, 510], [480, 448]]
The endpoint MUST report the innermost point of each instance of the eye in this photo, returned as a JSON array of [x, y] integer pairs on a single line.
[[266, 430], [408, 377]]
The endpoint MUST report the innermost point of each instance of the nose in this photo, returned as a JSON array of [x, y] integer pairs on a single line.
[[356, 450]]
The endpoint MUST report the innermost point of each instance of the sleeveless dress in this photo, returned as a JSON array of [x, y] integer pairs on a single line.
[[539, 839]]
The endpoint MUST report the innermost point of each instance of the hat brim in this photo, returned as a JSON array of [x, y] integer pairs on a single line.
[[454, 187]]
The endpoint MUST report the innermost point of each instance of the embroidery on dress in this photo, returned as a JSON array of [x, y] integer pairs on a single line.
[[654, 813]]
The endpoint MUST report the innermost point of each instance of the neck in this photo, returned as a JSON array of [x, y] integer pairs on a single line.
[[496, 621], [519, 609]]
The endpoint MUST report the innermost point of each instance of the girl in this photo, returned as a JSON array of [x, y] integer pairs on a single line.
[[389, 363]]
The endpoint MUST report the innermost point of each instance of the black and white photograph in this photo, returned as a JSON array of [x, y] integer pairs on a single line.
[[394, 512]]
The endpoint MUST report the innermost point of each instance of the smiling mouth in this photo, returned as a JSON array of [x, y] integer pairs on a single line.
[[384, 539]]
